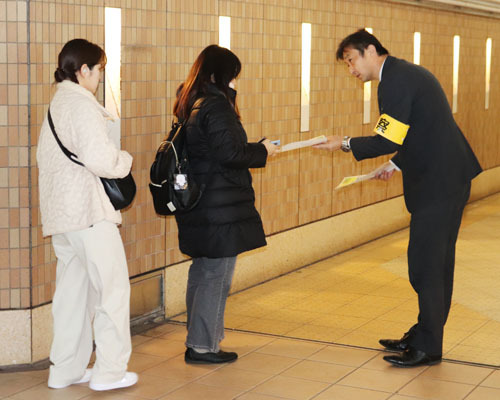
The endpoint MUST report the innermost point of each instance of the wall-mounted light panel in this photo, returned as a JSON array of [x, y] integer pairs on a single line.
[[487, 75], [305, 87], [456, 63], [367, 95], [416, 48], [225, 32], [112, 81]]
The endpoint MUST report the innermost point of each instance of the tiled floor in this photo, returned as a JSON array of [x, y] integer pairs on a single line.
[[352, 299], [269, 368]]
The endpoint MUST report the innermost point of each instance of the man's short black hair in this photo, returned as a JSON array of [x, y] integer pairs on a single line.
[[360, 41]]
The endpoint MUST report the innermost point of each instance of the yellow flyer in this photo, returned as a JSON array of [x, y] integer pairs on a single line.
[[349, 180]]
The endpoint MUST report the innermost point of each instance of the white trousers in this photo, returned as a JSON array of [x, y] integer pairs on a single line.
[[92, 288]]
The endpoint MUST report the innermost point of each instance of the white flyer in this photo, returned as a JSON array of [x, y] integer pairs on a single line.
[[303, 143]]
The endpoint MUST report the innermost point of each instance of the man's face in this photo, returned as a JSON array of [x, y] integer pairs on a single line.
[[360, 66]]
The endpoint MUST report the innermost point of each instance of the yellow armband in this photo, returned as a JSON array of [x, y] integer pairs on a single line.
[[391, 129]]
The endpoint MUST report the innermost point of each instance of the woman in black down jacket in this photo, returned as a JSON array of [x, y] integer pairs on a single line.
[[225, 223]]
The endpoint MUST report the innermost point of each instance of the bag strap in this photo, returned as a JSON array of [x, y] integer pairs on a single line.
[[177, 124], [68, 153], [192, 113]]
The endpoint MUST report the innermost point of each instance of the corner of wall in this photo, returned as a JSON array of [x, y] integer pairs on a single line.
[[15, 331]]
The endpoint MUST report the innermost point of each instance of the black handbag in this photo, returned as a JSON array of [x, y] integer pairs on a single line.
[[121, 191]]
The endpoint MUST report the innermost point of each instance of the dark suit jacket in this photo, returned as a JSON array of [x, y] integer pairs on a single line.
[[435, 158]]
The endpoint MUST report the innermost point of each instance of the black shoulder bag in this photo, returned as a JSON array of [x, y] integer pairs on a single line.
[[121, 191]]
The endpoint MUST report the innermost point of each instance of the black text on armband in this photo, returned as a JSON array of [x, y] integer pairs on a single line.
[[391, 129], [382, 125]]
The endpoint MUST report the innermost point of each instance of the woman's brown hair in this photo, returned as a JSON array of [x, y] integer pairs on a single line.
[[216, 65]]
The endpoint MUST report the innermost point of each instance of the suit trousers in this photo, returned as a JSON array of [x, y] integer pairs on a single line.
[[431, 266], [208, 286], [92, 291]]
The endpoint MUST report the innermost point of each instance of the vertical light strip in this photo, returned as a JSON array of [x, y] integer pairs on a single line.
[[416, 48], [112, 47], [305, 87], [456, 62], [367, 95], [488, 73], [225, 32], [112, 76]]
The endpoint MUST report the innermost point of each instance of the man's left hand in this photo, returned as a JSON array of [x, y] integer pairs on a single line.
[[385, 171]]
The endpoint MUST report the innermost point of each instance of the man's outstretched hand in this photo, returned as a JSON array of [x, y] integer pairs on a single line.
[[333, 143]]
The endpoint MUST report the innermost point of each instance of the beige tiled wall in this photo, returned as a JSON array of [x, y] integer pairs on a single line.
[[160, 40], [281, 59], [315, 173], [14, 157], [144, 104]]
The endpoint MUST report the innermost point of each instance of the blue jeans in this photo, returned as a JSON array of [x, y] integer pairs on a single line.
[[207, 290]]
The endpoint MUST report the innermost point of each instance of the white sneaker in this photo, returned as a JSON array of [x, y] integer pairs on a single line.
[[129, 379], [84, 379]]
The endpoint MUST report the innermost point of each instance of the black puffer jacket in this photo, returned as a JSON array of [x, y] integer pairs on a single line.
[[225, 222]]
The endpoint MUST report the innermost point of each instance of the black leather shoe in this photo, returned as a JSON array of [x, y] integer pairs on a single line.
[[193, 357], [396, 344], [412, 358]]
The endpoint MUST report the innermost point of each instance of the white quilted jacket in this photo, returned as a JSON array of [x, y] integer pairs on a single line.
[[71, 196]]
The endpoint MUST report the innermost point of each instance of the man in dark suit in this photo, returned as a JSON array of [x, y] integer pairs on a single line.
[[437, 164]]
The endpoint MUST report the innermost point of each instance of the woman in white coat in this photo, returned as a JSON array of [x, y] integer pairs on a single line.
[[92, 282]]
